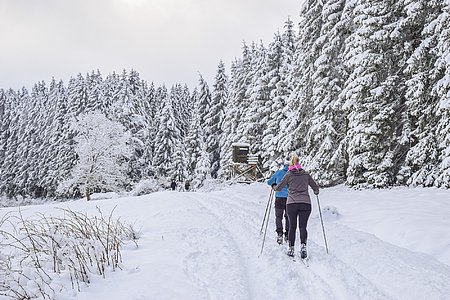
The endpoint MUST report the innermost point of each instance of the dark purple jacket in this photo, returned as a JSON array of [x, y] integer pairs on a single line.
[[298, 182]]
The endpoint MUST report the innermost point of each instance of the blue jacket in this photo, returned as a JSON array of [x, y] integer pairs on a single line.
[[276, 179]]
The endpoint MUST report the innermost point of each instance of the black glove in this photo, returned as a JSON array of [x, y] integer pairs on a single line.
[[274, 185], [316, 192]]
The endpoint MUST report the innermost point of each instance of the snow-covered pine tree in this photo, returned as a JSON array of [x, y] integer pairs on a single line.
[[11, 186], [255, 117], [418, 26], [278, 66], [208, 121], [60, 156], [283, 90], [77, 95], [103, 152], [193, 138], [46, 148], [247, 128], [203, 165], [298, 109], [372, 95], [36, 117], [234, 107], [203, 99], [239, 86], [8, 112], [148, 102], [130, 112], [324, 148], [180, 173], [94, 86], [215, 118], [166, 139], [229, 124], [442, 90], [180, 98], [108, 93]]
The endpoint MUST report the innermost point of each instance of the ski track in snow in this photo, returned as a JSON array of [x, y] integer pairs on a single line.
[[359, 266], [215, 257], [301, 281]]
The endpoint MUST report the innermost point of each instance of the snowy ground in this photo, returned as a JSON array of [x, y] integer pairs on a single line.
[[388, 244]]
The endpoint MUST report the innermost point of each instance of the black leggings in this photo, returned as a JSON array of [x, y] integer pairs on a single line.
[[302, 212]]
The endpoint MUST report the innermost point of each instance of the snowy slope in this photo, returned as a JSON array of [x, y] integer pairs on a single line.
[[389, 244]]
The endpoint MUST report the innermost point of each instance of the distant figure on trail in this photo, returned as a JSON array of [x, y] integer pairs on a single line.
[[298, 203], [173, 185], [280, 204], [186, 186]]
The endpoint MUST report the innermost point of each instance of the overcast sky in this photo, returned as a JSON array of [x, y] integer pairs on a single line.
[[166, 41]]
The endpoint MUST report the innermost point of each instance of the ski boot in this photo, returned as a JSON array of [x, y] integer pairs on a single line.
[[280, 239], [291, 251], [303, 253]]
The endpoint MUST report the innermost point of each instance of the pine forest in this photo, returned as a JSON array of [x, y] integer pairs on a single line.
[[359, 89]]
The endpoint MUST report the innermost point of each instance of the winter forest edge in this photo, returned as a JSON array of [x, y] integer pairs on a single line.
[[361, 91]]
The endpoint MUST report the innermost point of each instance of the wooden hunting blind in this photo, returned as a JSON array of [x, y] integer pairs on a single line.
[[245, 166], [240, 152]]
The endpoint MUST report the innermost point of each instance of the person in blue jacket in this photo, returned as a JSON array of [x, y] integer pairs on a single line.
[[280, 204]]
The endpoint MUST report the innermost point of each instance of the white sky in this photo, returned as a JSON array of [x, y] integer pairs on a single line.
[[166, 41]]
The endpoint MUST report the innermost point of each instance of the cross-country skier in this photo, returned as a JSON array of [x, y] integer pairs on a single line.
[[298, 203], [280, 204]]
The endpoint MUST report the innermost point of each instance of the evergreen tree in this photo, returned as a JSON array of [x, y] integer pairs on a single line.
[[324, 141], [239, 86], [209, 121], [77, 95], [215, 118], [193, 138], [279, 66], [202, 168], [255, 114], [372, 96], [442, 89], [298, 108], [166, 140], [419, 117], [61, 155], [9, 140], [229, 123]]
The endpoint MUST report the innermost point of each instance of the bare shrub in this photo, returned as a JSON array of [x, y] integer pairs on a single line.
[[36, 255]]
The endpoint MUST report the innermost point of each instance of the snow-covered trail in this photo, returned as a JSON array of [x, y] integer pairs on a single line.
[[206, 245], [359, 266], [281, 277]]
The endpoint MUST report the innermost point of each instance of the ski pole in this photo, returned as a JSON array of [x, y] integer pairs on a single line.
[[321, 220], [267, 223], [265, 214]]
